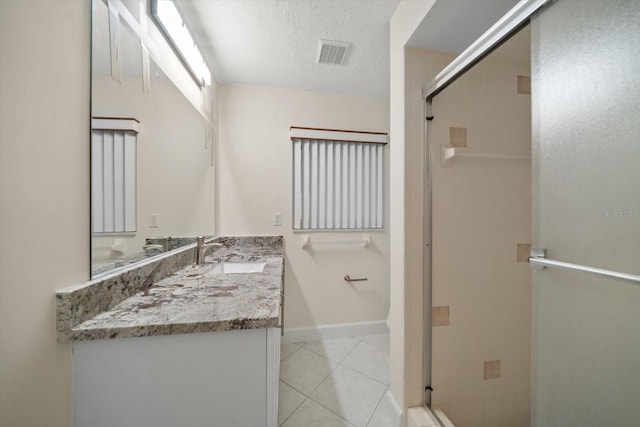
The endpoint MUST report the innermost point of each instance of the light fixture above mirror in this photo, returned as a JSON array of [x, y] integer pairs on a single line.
[[170, 22]]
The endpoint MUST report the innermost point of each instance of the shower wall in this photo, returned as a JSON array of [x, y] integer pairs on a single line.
[[420, 67], [481, 234]]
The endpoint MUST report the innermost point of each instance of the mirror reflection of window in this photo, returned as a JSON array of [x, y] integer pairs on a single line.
[[113, 174]]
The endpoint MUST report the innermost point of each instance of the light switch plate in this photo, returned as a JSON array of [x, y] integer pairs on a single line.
[[154, 220], [277, 218]]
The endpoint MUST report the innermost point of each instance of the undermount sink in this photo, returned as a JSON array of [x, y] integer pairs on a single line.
[[238, 267]]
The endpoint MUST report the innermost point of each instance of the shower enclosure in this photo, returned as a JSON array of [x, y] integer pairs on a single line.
[[551, 347], [586, 145], [480, 139]]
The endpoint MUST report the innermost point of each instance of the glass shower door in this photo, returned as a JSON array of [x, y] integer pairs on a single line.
[[586, 198]]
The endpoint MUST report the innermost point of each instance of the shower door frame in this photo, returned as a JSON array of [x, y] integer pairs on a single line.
[[427, 273], [510, 24]]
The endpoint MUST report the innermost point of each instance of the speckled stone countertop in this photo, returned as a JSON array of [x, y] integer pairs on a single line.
[[196, 299]]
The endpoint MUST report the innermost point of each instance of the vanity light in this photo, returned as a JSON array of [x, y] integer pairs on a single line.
[[170, 22]]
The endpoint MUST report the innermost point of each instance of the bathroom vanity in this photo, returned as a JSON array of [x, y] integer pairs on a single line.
[[174, 343]]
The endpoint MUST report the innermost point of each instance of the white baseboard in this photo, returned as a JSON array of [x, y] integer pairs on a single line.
[[341, 330], [397, 409]]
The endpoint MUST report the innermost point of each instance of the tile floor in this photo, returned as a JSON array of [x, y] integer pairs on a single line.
[[338, 382]]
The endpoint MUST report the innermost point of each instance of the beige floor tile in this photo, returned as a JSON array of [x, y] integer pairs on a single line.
[[369, 360], [384, 415], [335, 350], [311, 414], [350, 394], [305, 370], [287, 350], [381, 341], [288, 401]]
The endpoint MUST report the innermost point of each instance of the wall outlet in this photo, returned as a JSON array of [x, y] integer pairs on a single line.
[[154, 220], [277, 218]]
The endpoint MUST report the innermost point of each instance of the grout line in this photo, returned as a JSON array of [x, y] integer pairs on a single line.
[[361, 373], [337, 364], [333, 412], [294, 411], [349, 354], [341, 363], [377, 405], [304, 394], [375, 345], [318, 354], [323, 380], [335, 361], [365, 375], [291, 354]]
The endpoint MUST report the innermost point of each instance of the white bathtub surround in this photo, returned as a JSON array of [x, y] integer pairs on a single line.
[[336, 382]]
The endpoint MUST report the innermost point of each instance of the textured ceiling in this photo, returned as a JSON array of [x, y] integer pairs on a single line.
[[275, 42]]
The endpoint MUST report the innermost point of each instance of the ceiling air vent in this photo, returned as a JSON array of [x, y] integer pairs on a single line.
[[332, 52]]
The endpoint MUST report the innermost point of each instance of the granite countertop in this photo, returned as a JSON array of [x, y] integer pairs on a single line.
[[197, 299]]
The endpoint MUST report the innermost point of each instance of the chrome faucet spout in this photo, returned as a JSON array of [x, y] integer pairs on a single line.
[[201, 247]]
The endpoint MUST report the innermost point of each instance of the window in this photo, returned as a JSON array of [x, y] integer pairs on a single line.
[[337, 179], [113, 175]]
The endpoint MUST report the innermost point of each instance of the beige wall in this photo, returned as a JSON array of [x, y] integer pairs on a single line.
[[420, 70], [256, 180], [481, 213], [406, 124], [175, 176], [44, 200]]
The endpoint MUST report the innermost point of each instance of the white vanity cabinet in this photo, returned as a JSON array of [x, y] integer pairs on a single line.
[[213, 379]]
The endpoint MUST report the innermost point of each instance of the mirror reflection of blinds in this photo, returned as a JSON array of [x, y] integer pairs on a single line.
[[338, 185], [113, 181]]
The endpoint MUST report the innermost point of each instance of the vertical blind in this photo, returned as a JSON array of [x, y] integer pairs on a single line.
[[113, 175], [337, 179]]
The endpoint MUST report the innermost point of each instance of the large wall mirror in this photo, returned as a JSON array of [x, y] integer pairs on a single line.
[[153, 142]]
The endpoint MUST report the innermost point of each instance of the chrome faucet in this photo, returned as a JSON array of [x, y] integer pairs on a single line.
[[201, 247]]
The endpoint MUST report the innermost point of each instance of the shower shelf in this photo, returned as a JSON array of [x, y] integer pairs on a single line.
[[448, 152]]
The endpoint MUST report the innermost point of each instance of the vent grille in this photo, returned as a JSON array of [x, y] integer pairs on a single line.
[[332, 52]]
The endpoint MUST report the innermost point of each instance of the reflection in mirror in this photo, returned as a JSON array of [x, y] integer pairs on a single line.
[[172, 192]]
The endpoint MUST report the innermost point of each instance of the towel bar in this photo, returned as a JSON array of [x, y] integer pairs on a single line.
[[539, 261], [347, 278]]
